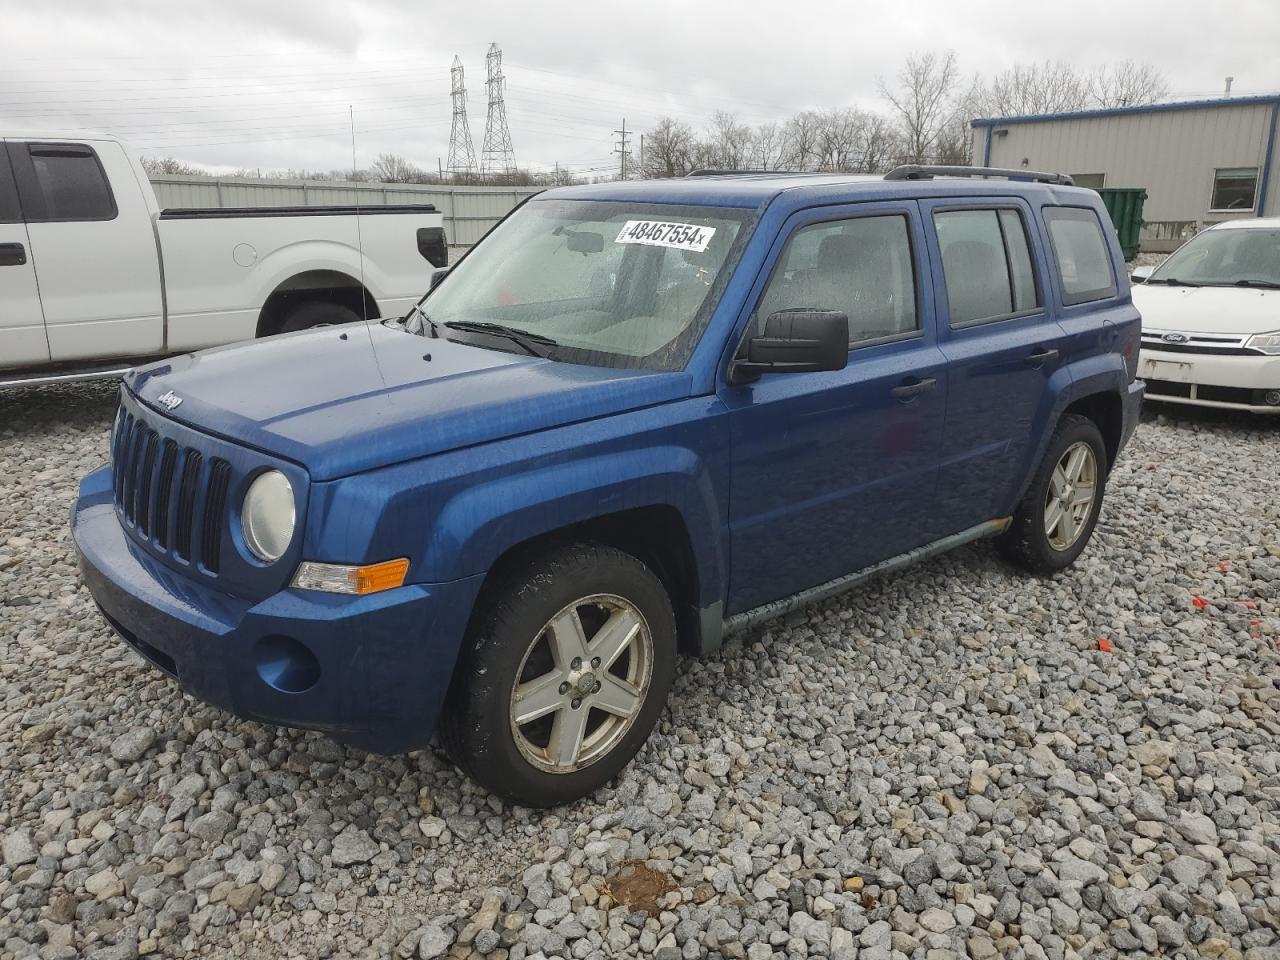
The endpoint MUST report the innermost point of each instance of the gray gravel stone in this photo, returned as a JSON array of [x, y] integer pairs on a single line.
[[938, 763]]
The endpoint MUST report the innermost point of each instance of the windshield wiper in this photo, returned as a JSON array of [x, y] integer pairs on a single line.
[[1267, 284], [524, 338], [1174, 282]]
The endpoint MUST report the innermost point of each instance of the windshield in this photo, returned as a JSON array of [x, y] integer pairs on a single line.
[[602, 283], [1244, 255]]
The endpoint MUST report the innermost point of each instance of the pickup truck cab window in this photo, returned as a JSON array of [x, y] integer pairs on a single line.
[[65, 183], [860, 266], [609, 284], [1080, 252]]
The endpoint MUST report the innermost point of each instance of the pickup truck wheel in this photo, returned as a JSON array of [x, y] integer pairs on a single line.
[[317, 313], [563, 678], [1055, 519]]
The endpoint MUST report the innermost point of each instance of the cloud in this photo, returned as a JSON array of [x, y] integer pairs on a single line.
[[268, 84]]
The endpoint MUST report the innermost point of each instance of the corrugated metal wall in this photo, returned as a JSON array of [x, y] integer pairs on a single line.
[[468, 211], [1172, 153]]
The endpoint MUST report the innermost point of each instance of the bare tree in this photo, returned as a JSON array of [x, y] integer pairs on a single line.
[[879, 145], [769, 147], [923, 101], [668, 149], [729, 141], [802, 133], [155, 166], [1126, 84], [392, 168], [1028, 88]]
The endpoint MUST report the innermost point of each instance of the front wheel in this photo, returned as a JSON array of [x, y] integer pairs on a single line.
[[563, 678], [1055, 519]]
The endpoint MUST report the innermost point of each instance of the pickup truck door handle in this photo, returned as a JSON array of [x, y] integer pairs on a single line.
[[1041, 357], [12, 255], [906, 391]]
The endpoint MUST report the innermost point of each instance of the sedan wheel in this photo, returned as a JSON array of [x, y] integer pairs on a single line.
[[582, 683]]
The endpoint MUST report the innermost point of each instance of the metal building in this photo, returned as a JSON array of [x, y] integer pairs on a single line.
[[1200, 161]]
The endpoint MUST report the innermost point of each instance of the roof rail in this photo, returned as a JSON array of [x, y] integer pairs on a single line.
[[925, 171], [712, 172]]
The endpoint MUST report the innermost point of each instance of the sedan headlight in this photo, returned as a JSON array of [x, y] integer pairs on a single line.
[[267, 516], [1268, 343]]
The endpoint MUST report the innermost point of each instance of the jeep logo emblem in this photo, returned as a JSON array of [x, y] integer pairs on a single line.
[[1171, 338], [169, 399]]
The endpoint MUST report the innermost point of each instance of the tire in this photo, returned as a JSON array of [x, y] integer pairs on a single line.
[[317, 313], [514, 640], [1028, 541]]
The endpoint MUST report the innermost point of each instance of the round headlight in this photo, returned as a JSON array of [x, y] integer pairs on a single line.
[[267, 516]]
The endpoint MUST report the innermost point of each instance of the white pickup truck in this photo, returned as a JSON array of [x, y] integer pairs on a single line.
[[94, 275]]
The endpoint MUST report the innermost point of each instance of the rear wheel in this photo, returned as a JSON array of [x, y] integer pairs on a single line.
[[317, 313], [1056, 518], [564, 677]]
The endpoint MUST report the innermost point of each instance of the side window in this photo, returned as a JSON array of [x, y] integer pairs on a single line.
[[861, 267], [10, 211], [69, 184], [1234, 189], [1080, 249], [986, 262]]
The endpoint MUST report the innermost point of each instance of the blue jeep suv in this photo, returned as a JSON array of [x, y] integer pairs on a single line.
[[633, 419]]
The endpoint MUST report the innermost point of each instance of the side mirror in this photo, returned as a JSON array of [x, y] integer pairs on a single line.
[[433, 246], [1140, 274], [438, 274], [797, 341]]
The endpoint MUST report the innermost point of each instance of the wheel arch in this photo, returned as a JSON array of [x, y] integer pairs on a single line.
[[656, 534], [325, 285]]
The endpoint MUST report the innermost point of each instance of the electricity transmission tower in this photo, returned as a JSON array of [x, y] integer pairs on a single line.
[[498, 154], [462, 154]]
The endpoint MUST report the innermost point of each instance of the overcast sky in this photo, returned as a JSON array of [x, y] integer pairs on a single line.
[[267, 83]]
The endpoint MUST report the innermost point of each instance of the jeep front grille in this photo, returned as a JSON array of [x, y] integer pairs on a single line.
[[153, 475]]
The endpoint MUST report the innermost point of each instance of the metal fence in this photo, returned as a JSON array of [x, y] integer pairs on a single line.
[[468, 211]]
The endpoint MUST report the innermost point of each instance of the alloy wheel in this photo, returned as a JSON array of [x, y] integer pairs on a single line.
[[1073, 486], [581, 683]]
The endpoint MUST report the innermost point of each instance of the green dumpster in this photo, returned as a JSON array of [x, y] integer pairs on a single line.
[[1125, 206]]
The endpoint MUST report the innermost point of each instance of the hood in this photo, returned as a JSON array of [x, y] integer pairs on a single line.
[[1240, 310], [340, 400]]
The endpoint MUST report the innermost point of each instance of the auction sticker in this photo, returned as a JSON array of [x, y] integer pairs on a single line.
[[663, 233]]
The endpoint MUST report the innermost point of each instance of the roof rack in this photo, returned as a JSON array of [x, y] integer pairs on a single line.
[[712, 172], [925, 171]]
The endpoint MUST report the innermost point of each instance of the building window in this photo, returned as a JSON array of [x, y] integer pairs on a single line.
[[1234, 189], [1094, 181]]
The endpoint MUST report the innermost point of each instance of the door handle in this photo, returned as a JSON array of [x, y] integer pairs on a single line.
[[12, 254], [1041, 357], [905, 391]]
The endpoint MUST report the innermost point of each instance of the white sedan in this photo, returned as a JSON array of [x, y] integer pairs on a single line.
[[1211, 319]]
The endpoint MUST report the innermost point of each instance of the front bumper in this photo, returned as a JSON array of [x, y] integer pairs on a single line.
[[369, 671], [1229, 382]]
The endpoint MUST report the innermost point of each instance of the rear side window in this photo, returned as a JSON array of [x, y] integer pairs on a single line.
[[986, 262], [860, 267], [69, 184], [10, 211], [1080, 249]]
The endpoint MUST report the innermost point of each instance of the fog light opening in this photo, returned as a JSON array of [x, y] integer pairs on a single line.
[[286, 665], [1271, 398]]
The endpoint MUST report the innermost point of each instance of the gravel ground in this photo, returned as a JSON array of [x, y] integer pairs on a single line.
[[943, 763]]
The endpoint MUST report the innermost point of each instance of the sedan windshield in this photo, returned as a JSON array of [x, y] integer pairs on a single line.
[[1244, 256], [602, 283]]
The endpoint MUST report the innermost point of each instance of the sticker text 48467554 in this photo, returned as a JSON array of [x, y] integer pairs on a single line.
[[661, 233]]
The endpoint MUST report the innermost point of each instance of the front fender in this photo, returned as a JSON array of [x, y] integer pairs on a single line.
[[455, 514]]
